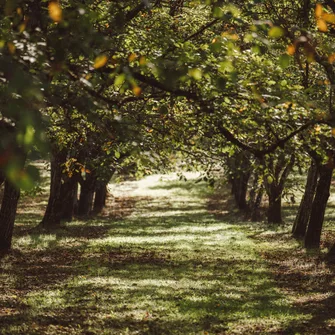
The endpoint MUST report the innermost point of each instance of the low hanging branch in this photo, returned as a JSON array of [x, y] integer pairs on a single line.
[[223, 130]]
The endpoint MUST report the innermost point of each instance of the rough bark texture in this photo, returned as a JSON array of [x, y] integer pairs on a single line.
[[7, 215], [305, 208], [100, 197], [53, 211], [313, 233], [86, 195]]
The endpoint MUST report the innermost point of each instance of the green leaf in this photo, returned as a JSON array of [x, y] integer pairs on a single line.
[[284, 61], [120, 79], [217, 12], [195, 73], [276, 32]]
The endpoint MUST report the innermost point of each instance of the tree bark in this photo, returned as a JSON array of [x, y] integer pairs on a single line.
[[86, 195], [7, 215], [100, 197], [305, 208], [331, 254], [53, 213], [274, 189], [69, 197], [255, 208], [274, 210], [2, 178], [240, 189], [240, 171], [313, 233]]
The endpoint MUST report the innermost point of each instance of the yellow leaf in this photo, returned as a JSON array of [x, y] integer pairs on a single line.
[[55, 11], [290, 49], [100, 61], [333, 131], [322, 25], [137, 90], [318, 11], [11, 47], [331, 58], [22, 27], [330, 18], [317, 129], [132, 57], [143, 60]]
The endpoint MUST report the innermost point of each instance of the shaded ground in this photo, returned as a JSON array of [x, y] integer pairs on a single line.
[[159, 261], [304, 276]]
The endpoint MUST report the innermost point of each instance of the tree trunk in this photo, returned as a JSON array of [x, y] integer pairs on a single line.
[[305, 208], [313, 233], [331, 254], [274, 188], [69, 196], [100, 197], [2, 178], [53, 213], [240, 171], [240, 189], [86, 195], [7, 215], [274, 210], [255, 208]]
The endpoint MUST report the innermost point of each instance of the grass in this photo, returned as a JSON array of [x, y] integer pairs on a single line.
[[167, 257]]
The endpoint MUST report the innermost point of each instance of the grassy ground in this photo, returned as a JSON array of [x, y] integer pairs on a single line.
[[167, 257]]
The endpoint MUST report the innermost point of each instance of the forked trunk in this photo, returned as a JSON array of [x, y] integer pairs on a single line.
[[313, 233], [305, 208]]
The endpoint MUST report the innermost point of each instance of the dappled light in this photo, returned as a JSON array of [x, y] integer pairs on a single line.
[[166, 167], [165, 273]]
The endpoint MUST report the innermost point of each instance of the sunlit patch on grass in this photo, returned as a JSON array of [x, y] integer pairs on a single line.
[[45, 299], [168, 267], [38, 241]]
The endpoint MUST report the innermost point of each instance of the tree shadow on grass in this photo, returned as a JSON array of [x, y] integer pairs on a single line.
[[308, 279], [146, 292], [159, 272]]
